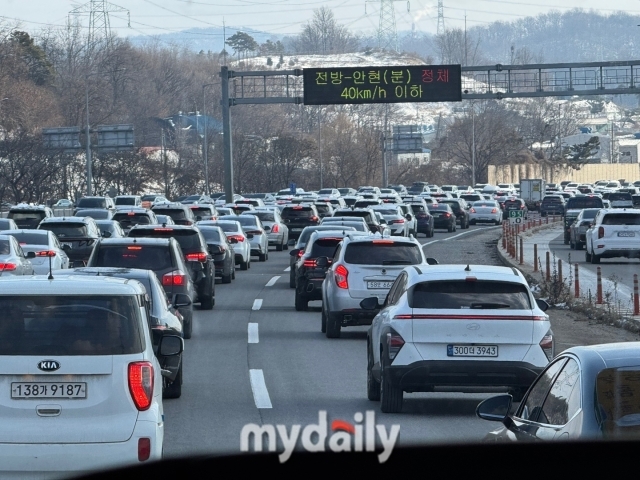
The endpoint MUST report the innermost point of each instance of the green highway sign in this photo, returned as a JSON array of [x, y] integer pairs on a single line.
[[516, 216]]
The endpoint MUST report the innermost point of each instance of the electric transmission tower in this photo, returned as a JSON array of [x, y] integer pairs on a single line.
[[99, 24], [440, 17], [387, 32]]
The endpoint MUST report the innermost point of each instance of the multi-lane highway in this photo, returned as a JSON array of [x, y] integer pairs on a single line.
[[254, 359]]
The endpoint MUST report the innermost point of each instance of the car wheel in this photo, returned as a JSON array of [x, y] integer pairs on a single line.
[[174, 389], [207, 302], [226, 278], [285, 245], [579, 245], [244, 265], [280, 247], [587, 256], [262, 257], [266, 255], [333, 326], [292, 280], [323, 321], [450, 229], [302, 304], [390, 396], [566, 241], [187, 327], [595, 259], [373, 386]]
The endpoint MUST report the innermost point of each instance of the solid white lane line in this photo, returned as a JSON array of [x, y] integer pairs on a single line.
[[257, 303], [272, 282], [288, 269], [259, 387], [252, 331]]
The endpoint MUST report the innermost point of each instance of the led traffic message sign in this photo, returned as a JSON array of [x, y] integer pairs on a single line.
[[361, 85]]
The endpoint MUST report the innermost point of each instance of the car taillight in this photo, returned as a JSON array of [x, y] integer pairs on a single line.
[[473, 210], [175, 278], [239, 238], [447, 215], [547, 345], [141, 384], [600, 232], [7, 267], [310, 263], [300, 253], [394, 344], [196, 257], [314, 219], [401, 220], [341, 275], [494, 210], [144, 449], [255, 232], [275, 228], [46, 253], [521, 207]]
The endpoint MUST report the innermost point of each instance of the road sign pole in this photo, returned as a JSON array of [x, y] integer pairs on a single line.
[[226, 131]]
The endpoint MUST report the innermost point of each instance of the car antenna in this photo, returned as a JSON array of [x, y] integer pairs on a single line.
[[468, 269]]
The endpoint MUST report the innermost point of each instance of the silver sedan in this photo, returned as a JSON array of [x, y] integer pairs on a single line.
[[46, 247], [277, 231], [13, 261], [485, 211]]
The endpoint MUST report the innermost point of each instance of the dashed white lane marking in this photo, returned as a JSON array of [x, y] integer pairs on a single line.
[[272, 282], [257, 303], [252, 331], [288, 269], [259, 387], [458, 235]]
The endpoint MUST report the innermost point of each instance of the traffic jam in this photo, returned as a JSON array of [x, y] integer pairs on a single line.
[[120, 321]]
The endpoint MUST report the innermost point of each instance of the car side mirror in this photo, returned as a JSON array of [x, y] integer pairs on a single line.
[[322, 262], [170, 346], [495, 409], [181, 300], [542, 304], [294, 252], [233, 240], [370, 303], [30, 255], [432, 261]]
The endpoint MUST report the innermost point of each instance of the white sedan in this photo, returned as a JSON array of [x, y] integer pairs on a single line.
[[485, 211], [45, 245], [13, 261]]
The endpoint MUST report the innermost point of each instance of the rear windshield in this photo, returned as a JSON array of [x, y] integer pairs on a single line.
[[264, 216], [92, 203], [512, 203], [126, 201], [175, 213], [147, 257], [297, 213], [350, 201], [460, 294], [485, 204], [365, 215], [149, 198], [454, 205], [619, 196], [202, 211], [33, 215], [228, 227], [556, 200], [127, 220], [389, 211], [617, 406], [417, 207], [66, 229], [471, 198], [325, 247], [188, 239], [366, 203], [211, 234], [323, 208], [382, 252], [584, 202], [621, 219], [31, 238], [70, 325]]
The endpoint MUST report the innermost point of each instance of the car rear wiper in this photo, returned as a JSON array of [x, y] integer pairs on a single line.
[[397, 262], [489, 305]]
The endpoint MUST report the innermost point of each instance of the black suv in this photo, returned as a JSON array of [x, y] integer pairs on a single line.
[[552, 205], [103, 203], [309, 270], [584, 201], [162, 256], [516, 204], [297, 217], [130, 217], [77, 235], [460, 209], [196, 254], [369, 216], [181, 214]]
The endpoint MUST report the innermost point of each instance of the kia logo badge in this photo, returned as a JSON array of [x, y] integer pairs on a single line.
[[473, 326], [48, 365]]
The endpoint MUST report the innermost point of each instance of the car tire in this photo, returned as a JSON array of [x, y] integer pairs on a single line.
[[595, 259], [302, 304], [207, 302], [373, 386], [174, 390], [187, 327], [226, 278], [262, 257], [266, 255], [280, 247], [450, 229], [391, 398], [587, 256], [579, 245], [285, 246], [244, 265], [323, 321], [292, 280], [566, 241], [233, 273], [333, 326]]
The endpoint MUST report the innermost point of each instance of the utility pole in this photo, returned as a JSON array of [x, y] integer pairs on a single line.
[[99, 23], [385, 175], [440, 30], [387, 31], [320, 141], [88, 132], [206, 138], [226, 130], [473, 147], [164, 164], [466, 61]]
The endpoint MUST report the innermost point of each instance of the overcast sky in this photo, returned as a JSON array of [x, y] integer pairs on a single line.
[[153, 17]]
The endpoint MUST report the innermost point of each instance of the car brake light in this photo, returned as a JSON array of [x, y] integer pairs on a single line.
[[175, 278], [8, 267], [239, 238], [131, 214], [382, 241], [521, 207], [275, 228], [314, 219], [600, 232], [298, 208], [394, 343], [144, 449], [163, 229], [495, 210], [46, 253], [473, 210], [447, 215], [134, 248], [196, 257], [310, 263], [341, 275], [141, 384], [400, 220], [547, 345], [300, 253]]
